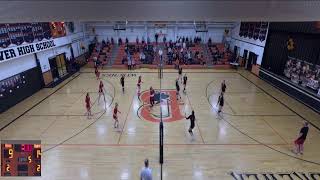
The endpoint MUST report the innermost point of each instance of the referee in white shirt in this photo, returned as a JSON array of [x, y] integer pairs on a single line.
[[146, 172]]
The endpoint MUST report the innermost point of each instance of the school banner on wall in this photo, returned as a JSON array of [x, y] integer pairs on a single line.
[[27, 49]]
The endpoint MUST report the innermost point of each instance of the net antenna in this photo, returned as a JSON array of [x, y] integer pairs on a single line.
[[160, 70]]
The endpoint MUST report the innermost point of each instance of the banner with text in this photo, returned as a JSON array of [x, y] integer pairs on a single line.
[[23, 50]]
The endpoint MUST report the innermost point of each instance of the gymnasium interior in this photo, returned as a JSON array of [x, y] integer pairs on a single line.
[[72, 105]]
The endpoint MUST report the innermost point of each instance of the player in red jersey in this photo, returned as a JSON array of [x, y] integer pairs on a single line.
[[88, 105], [152, 96], [115, 116], [139, 85], [101, 91], [96, 71]]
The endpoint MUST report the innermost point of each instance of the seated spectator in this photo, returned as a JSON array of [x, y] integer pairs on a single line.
[[189, 57], [124, 59], [142, 57], [169, 50], [184, 45], [133, 62], [103, 43]]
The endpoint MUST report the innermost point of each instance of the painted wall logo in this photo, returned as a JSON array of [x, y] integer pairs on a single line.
[[276, 176], [171, 107], [118, 75]]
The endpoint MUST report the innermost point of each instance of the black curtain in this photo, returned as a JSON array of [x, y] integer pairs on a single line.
[[306, 45]]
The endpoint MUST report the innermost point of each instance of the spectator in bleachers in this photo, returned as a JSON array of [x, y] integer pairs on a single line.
[[120, 41], [142, 40], [124, 59], [112, 41], [133, 62], [209, 42], [202, 59], [108, 42], [164, 39], [148, 40], [156, 36], [160, 54], [143, 57], [189, 57], [103, 43], [129, 61]]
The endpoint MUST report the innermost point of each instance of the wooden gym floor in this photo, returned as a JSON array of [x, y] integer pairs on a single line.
[[253, 135]]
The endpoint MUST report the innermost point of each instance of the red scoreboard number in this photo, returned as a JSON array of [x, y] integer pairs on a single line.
[[19, 158]]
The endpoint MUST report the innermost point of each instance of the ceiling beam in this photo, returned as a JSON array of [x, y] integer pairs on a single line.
[[214, 10]]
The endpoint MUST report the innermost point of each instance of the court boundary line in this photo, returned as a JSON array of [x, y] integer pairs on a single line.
[[76, 134], [266, 145], [275, 131], [318, 128], [125, 121], [279, 115], [257, 141], [168, 144], [82, 130], [15, 119]]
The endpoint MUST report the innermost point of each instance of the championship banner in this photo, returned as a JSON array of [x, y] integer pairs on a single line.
[[23, 50]]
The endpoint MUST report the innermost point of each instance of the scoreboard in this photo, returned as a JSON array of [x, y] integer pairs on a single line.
[[20, 158]]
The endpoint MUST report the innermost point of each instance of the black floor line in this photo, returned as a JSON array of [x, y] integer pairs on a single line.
[[293, 97], [37, 103], [259, 142], [318, 128], [88, 126]]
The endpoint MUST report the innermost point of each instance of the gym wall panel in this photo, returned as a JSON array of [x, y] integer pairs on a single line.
[[255, 46], [47, 77], [15, 66], [31, 86], [104, 32], [45, 55]]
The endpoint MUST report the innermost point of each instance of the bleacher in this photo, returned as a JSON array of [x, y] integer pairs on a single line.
[[103, 55], [219, 55], [215, 53]]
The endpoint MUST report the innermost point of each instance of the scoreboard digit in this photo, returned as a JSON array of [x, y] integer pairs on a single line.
[[20, 158]]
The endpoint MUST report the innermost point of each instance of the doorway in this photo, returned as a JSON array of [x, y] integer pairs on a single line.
[[58, 66], [235, 50], [245, 55], [54, 69], [251, 60]]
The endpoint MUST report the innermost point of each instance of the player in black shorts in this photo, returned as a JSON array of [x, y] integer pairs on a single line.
[[180, 73], [301, 138], [178, 89], [192, 119], [220, 102], [223, 86], [185, 78], [122, 83]]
